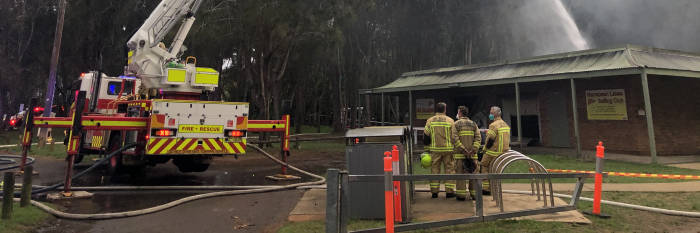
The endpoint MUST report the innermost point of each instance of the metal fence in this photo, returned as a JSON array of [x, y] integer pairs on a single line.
[[337, 201]]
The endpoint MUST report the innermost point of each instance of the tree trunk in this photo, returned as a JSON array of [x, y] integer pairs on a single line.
[[3, 103], [300, 109], [317, 116], [276, 100]]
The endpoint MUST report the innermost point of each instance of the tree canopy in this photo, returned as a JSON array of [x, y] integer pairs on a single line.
[[310, 56]]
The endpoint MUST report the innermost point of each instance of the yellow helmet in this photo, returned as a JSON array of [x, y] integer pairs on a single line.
[[425, 160]]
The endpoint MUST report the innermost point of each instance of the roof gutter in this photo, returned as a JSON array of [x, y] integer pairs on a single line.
[[538, 78]]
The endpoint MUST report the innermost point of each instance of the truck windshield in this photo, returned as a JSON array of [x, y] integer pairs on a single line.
[[114, 87]]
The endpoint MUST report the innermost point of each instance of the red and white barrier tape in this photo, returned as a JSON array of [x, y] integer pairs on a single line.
[[630, 174]]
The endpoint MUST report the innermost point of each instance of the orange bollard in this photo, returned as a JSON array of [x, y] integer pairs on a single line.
[[388, 194], [397, 184], [598, 186]]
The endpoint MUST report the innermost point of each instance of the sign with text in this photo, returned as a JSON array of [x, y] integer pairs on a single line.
[[201, 129], [606, 104], [425, 108]]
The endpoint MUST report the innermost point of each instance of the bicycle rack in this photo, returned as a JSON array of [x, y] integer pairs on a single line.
[[506, 159]]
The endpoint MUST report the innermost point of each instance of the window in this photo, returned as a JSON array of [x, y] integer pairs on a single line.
[[114, 87]]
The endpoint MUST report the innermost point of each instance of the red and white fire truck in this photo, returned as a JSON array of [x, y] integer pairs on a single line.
[[160, 103]]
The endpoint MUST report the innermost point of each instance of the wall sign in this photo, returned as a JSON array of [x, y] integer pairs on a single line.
[[606, 104], [425, 108]]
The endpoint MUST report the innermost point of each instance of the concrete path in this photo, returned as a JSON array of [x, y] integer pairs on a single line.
[[695, 166], [428, 209], [312, 206]]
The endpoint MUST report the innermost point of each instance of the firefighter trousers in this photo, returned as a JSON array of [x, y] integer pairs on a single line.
[[485, 168], [438, 160], [461, 184]]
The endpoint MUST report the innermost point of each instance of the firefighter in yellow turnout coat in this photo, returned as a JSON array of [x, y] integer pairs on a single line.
[[443, 140], [497, 142], [469, 136]]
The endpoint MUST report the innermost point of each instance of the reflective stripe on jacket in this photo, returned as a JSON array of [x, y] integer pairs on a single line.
[[443, 137], [468, 134], [499, 132]]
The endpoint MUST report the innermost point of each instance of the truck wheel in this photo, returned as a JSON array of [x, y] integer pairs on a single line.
[[115, 163], [78, 158], [190, 164], [137, 172]]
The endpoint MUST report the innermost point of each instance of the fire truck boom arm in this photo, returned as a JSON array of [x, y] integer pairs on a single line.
[[165, 16], [150, 60]]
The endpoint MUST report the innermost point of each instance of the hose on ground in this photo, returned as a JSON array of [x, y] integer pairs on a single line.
[[10, 159], [621, 204], [172, 187], [83, 172], [154, 209]]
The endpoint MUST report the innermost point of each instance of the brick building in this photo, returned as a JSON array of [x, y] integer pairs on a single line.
[[620, 93]]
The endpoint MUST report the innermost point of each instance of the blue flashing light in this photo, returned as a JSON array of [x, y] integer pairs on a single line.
[[112, 89], [127, 77]]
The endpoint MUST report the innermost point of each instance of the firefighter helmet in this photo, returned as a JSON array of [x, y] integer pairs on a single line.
[[425, 160]]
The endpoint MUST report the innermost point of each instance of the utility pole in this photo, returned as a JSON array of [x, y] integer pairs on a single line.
[[51, 84]]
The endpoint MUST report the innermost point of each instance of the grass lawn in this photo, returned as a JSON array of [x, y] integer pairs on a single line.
[[313, 129], [9, 137], [12, 137], [23, 219], [322, 146], [562, 162], [623, 219]]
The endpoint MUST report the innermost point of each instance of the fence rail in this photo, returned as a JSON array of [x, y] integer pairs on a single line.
[[337, 210]]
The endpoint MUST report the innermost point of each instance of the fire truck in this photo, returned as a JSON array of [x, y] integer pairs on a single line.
[[160, 103]]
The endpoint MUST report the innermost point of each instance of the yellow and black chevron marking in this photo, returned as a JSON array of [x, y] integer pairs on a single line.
[[73, 145], [160, 146], [96, 141]]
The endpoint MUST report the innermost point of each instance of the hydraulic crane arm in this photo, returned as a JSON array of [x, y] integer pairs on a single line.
[[166, 15], [158, 67]]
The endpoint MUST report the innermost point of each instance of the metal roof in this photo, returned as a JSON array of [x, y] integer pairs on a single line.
[[630, 59]]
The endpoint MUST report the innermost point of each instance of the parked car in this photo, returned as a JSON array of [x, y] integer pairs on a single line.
[[17, 121]]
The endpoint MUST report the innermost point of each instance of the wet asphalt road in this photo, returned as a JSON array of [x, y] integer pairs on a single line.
[[264, 212]]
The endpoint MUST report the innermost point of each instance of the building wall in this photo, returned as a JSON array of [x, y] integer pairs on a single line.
[[546, 91], [628, 136], [482, 97], [675, 106]]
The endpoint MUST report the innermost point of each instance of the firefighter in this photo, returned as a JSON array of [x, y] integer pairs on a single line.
[[440, 131], [496, 143], [469, 136]]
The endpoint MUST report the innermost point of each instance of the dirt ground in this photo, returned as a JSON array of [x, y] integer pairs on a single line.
[[264, 212]]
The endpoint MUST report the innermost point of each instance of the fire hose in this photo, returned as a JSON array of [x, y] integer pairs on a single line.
[[255, 189], [10, 159]]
